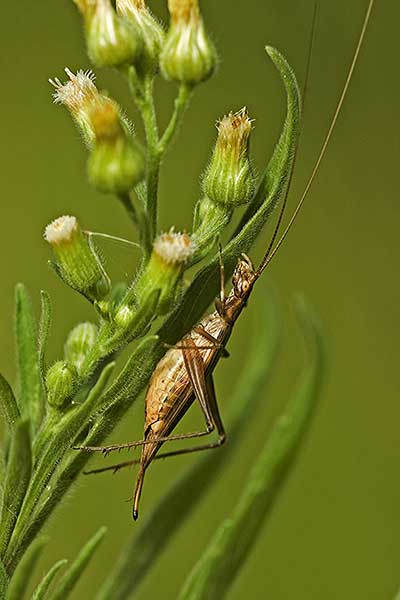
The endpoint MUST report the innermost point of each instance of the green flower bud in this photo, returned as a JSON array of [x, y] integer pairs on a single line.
[[150, 30], [229, 179], [124, 316], [116, 163], [210, 219], [171, 251], [79, 343], [80, 96], [75, 258], [111, 41], [188, 55], [61, 380]]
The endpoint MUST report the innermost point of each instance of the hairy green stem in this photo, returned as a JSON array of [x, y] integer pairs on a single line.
[[147, 109], [180, 106]]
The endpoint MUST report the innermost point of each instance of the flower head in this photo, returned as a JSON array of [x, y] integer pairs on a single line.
[[76, 260], [174, 247], [111, 41], [229, 179], [61, 230], [151, 31], [116, 163], [188, 55], [78, 91], [80, 96], [172, 251]]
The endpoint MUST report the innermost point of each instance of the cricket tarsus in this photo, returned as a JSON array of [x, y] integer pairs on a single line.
[[185, 372]]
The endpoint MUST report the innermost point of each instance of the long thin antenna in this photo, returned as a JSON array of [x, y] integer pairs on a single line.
[[324, 146], [289, 182]]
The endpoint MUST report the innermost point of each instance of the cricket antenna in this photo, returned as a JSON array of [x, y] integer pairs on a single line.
[[285, 198], [272, 251]]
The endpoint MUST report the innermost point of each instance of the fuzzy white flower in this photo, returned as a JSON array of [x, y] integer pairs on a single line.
[[61, 230], [174, 247], [76, 93]]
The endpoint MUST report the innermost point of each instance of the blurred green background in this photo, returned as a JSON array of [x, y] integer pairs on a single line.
[[336, 530]]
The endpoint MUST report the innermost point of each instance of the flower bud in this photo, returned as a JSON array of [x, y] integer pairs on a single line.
[[111, 41], [79, 95], [188, 55], [152, 33], [61, 380], [171, 251], [210, 219], [79, 343], [116, 163], [229, 179], [76, 260]]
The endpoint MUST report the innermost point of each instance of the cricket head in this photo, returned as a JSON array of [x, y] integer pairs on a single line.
[[243, 279]]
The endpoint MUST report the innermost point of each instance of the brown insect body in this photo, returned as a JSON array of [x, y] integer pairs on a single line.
[[171, 391]]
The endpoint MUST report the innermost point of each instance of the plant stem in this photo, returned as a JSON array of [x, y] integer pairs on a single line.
[[147, 109], [139, 219], [181, 104]]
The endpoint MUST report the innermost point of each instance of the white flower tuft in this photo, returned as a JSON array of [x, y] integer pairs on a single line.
[[174, 247], [78, 91], [61, 230]]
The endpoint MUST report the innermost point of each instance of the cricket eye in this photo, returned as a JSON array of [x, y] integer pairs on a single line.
[[245, 287]]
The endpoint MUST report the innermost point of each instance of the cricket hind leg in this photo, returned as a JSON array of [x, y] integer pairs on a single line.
[[195, 369], [136, 461], [221, 439], [204, 392]]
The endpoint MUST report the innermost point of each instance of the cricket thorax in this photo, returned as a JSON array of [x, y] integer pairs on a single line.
[[243, 279]]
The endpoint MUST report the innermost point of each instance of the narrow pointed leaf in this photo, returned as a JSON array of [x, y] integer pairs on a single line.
[[18, 474], [145, 547], [29, 399], [119, 397], [215, 572], [3, 581], [44, 329], [205, 285], [61, 441], [3, 470], [20, 580], [71, 577], [8, 404], [40, 592]]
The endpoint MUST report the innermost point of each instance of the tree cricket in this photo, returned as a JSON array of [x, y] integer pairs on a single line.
[[185, 373]]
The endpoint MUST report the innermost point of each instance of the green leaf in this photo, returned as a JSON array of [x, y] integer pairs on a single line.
[[3, 581], [22, 574], [119, 398], [139, 556], [71, 577], [29, 400], [62, 438], [215, 572], [44, 329], [17, 480], [205, 285], [40, 592], [8, 404], [281, 163]]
